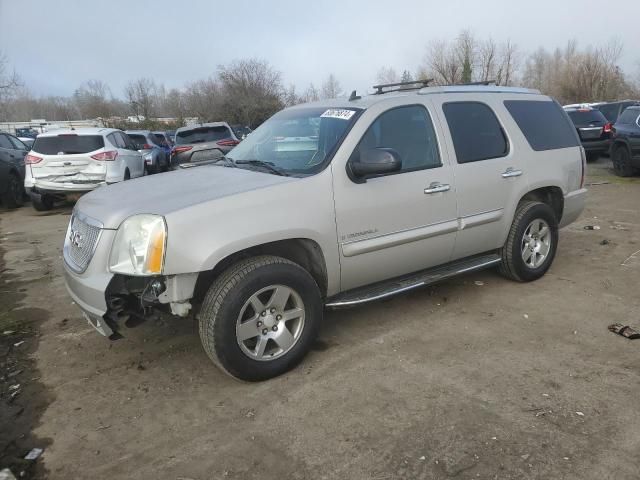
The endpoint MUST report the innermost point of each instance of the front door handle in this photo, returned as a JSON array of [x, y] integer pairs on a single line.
[[510, 172], [437, 187]]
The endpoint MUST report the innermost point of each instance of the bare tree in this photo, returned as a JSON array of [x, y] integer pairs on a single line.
[[387, 75], [330, 88], [251, 91], [92, 99], [141, 96], [291, 97], [441, 63], [203, 99], [310, 94]]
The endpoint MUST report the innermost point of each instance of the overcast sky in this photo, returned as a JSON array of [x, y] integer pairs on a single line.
[[56, 45]]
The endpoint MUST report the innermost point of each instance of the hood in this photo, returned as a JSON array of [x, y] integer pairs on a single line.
[[167, 192]]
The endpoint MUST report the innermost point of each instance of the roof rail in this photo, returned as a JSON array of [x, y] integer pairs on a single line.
[[417, 84], [477, 88], [481, 82]]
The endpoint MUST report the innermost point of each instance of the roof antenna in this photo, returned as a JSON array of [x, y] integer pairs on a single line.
[[354, 96]]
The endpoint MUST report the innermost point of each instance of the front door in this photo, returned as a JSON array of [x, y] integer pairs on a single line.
[[402, 222]]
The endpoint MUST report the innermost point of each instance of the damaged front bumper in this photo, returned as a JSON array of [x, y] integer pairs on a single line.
[[110, 301]]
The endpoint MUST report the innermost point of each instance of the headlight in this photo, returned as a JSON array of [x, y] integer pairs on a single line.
[[139, 246]]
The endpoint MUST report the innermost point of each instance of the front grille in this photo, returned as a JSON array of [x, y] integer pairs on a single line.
[[81, 241]]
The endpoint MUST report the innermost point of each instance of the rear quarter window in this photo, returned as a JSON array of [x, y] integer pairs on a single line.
[[544, 124], [68, 144]]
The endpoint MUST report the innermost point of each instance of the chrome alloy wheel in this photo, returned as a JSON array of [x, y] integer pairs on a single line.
[[536, 243], [270, 323]]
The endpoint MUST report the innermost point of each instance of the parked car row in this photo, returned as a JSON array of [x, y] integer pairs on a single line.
[[611, 128]]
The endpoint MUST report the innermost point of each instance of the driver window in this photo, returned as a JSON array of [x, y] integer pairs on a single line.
[[409, 131]]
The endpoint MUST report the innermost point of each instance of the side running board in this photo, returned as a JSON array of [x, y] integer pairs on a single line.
[[405, 283]]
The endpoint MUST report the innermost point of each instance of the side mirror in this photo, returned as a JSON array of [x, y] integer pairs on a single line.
[[376, 161]]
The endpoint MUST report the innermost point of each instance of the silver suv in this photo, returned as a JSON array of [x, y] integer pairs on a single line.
[[400, 190]]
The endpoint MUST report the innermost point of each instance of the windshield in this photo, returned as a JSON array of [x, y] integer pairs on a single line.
[[296, 141], [202, 135]]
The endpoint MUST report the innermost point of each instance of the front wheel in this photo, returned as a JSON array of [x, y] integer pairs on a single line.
[[260, 317], [531, 244]]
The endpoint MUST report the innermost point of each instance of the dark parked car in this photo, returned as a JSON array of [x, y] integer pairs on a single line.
[[612, 110], [593, 129], [12, 153], [156, 159], [202, 144], [26, 132], [625, 147]]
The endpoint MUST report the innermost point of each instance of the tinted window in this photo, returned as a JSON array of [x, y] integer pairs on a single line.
[[610, 111], [17, 144], [68, 144], [5, 143], [543, 123], [202, 135], [586, 117], [138, 140], [407, 130], [475, 131], [159, 138], [629, 116]]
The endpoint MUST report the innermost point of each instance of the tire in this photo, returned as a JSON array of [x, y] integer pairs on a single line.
[[622, 162], [42, 203], [232, 294], [127, 175], [513, 265], [14, 196]]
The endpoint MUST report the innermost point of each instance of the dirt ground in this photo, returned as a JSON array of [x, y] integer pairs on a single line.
[[478, 377]]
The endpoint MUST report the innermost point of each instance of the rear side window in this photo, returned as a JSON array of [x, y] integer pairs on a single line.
[[5, 143], [629, 116], [138, 140], [68, 144], [407, 130], [610, 111], [543, 123], [586, 117], [475, 131], [202, 135]]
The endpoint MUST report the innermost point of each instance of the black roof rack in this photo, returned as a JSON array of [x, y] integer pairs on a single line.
[[413, 85]]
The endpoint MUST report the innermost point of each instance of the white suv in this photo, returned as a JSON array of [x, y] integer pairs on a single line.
[[76, 161]]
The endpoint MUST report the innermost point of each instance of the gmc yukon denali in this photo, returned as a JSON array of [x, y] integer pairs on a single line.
[[382, 194]]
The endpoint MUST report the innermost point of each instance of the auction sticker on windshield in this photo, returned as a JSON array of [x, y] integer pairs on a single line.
[[338, 113]]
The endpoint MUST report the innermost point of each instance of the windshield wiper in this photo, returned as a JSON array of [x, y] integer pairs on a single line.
[[261, 163]]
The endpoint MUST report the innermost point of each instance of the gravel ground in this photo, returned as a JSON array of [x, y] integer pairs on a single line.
[[477, 377]]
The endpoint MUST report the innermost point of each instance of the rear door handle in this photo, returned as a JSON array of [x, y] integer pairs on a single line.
[[510, 172], [437, 187]]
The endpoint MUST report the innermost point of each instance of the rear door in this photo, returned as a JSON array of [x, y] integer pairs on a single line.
[[401, 222], [68, 155], [489, 174]]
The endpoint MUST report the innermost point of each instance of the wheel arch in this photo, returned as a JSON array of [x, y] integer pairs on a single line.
[[551, 195], [620, 142], [303, 251]]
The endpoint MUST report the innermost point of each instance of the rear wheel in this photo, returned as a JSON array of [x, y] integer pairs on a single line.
[[42, 203], [260, 317], [622, 162], [532, 242], [14, 195], [127, 175]]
